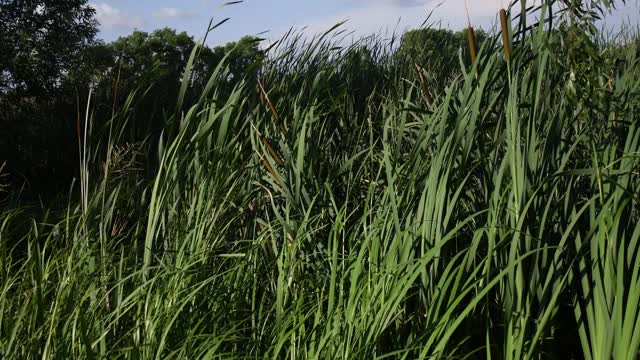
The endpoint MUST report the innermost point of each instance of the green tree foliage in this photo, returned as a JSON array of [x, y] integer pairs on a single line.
[[40, 43], [243, 56], [436, 51], [152, 62], [158, 57], [156, 62], [41, 40], [50, 62]]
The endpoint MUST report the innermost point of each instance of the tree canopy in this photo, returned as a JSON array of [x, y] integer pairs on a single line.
[[436, 50], [40, 40]]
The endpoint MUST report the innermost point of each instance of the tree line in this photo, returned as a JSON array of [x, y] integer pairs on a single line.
[[51, 59]]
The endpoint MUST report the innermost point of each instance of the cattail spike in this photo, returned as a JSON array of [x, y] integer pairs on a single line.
[[423, 85], [272, 151], [471, 38], [264, 95], [265, 98], [505, 35], [269, 168]]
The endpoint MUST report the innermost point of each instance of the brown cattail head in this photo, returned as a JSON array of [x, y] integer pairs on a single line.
[[272, 151], [269, 168], [471, 38], [505, 35], [265, 98], [423, 85]]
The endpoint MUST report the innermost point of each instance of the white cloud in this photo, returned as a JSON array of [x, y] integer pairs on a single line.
[[168, 12], [395, 16], [111, 18], [401, 3], [380, 16], [476, 7]]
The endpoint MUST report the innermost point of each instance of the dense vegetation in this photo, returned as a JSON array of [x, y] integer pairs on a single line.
[[50, 59], [377, 200]]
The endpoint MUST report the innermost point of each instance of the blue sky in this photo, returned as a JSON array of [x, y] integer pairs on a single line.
[[121, 17]]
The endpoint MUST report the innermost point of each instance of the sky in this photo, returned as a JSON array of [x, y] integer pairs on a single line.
[[272, 18]]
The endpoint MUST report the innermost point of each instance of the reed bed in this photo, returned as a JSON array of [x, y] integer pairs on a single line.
[[335, 208]]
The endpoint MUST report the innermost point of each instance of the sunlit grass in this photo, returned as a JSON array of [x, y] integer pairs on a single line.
[[336, 208]]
